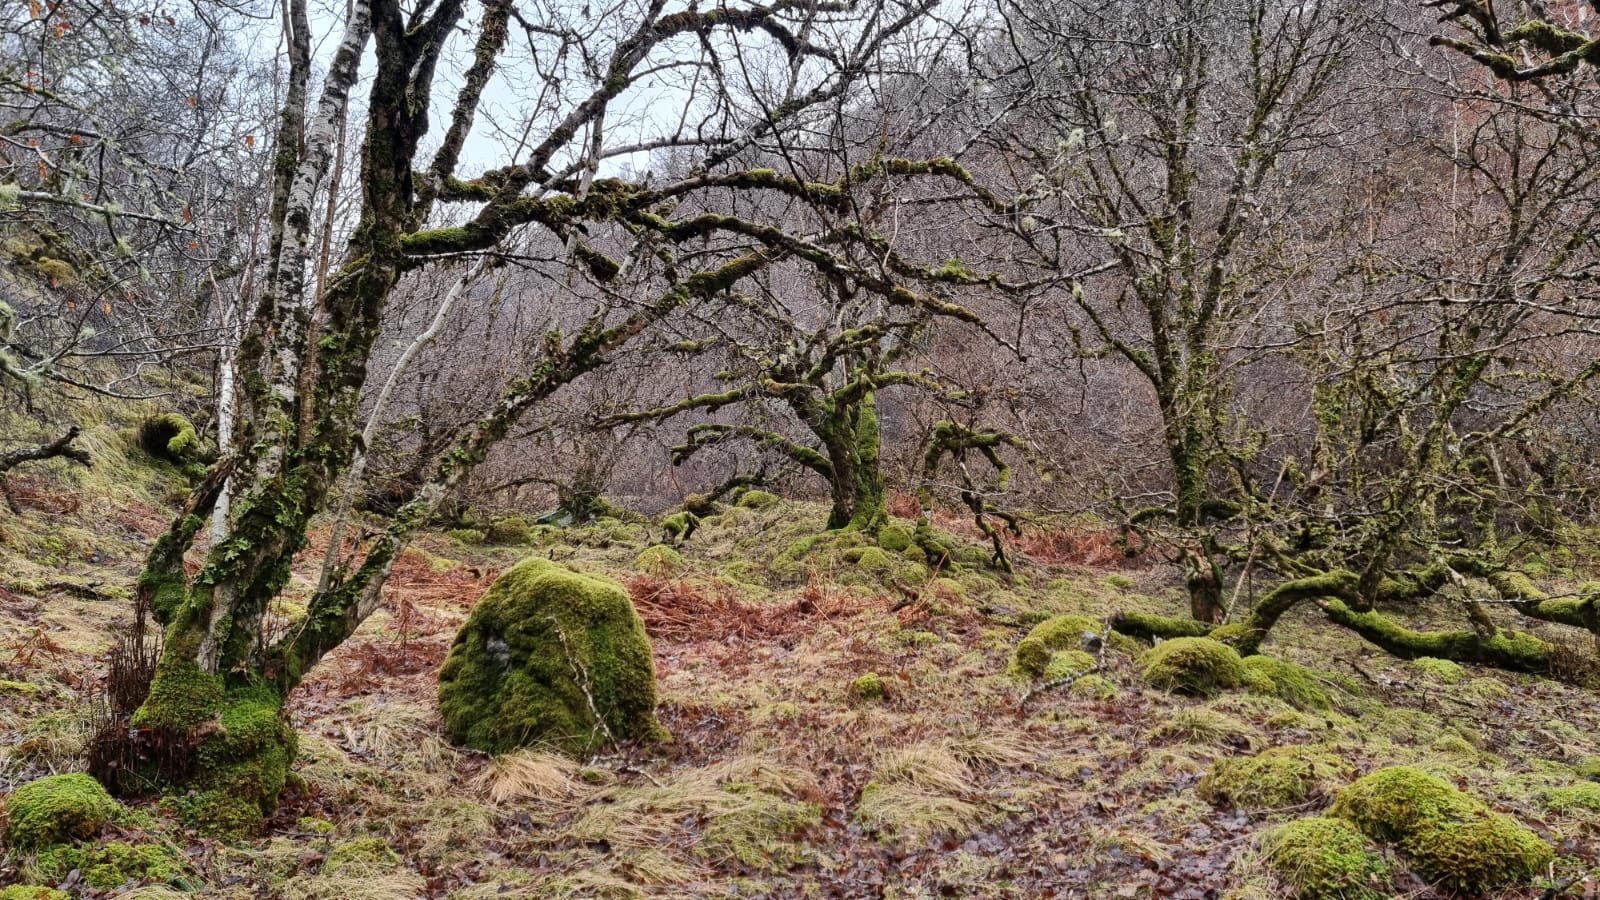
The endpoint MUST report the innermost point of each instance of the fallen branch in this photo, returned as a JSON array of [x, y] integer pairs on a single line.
[[61, 446]]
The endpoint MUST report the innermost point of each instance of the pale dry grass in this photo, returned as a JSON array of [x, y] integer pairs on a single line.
[[399, 884], [1207, 728], [910, 813], [398, 730], [532, 775], [646, 815]]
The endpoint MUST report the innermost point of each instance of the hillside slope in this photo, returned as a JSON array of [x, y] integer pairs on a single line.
[[846, 723]]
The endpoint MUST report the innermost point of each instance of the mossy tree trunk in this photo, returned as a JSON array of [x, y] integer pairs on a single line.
[[849, 431]]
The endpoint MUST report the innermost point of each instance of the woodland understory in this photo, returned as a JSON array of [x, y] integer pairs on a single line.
[[1043, 447]]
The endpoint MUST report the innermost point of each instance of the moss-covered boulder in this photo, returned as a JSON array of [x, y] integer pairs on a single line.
[[1290, 682], [57, 809], [1049, 637], [1275, 778], [756, 500], [896, 539], [1326, 859], [1092, 687], [1447, 836], [549, 656], [1193, 665], [509, 530], [659, 560]]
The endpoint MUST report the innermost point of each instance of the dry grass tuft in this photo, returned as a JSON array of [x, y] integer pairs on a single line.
[[1206, 727], [396, 730], [910, 814], [395, 885], [531, 775]]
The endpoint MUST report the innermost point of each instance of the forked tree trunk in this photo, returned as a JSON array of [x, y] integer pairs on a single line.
[[854, 445]]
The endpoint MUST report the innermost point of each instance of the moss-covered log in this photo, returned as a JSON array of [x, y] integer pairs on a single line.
[[1149, 626], [1503, 648]]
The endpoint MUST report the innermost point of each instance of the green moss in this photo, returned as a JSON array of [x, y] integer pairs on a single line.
[[757, 499], [760, 832], [32, 892], [22, 688], [111, 865], [1448, 837], [1119, 582], [170, 437], [549, 655], [1192, 665], [468, 535], [659, 560], [241, 767], [1441, 670], [1275, 778], [867, 688], [896, 539], [1068, 632], [1325, 859], [870, 558], [510, 530], [1290, 682], [1589, 767], [361, 856], [1390, 804], [1093, 687], [1067, 663], [57, 809], [1584, 795], [1453, 743], [679, 524]]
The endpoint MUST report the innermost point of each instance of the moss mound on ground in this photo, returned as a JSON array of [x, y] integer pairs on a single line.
[[868, 687], [57, 809], [111, 865], [1066, 664], [1325, 859], [1449, 837], [659, 560], [1442, 670], [509, 530], [32, 892], [549, 656], [361, 856], [895, 539], [1589, 767], [756, 499], [170, 437], [1047, 638], [1279, 777], [1583, 795], [1193, 665], [1293, 683]]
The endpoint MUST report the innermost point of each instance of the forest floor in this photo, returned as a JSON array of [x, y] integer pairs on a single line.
[[781, 780]]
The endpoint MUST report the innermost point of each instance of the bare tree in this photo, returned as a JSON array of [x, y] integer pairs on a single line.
[[305, 355]]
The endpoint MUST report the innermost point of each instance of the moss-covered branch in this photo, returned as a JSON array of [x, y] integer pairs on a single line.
[[1502, 648]]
